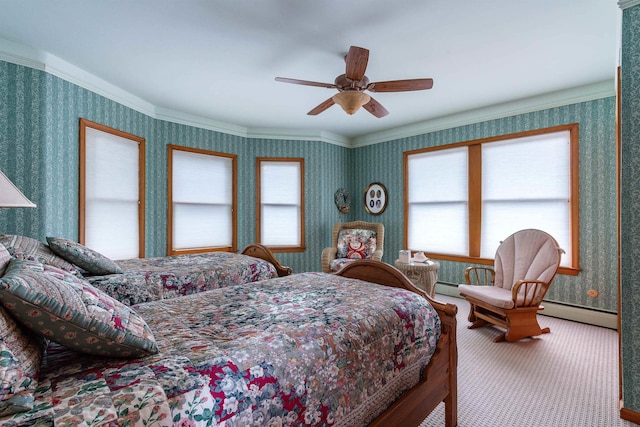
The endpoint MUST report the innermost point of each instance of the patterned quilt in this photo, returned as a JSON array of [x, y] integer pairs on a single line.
[[306, 349], [150, 279]]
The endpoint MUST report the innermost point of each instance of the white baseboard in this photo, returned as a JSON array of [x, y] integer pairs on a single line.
[[576, 314]]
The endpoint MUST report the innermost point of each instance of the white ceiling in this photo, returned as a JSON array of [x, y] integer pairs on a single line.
[[217, 59]]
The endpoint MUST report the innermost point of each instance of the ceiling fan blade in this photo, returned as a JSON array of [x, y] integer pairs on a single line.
[[375, 108], [305, 82], [401, 85], [357, 60], [320, 108]]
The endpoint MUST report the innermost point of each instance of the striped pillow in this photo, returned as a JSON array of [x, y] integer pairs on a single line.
[[26, 247], [5, 257]]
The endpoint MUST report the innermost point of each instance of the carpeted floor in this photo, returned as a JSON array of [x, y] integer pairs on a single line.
[[566, 378]]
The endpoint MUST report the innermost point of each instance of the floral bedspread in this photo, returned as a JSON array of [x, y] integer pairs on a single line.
[[306, 349], [150, 279]]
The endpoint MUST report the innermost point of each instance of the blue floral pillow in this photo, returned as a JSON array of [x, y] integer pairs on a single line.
[[20, 358], [68, 310], [86, 258]]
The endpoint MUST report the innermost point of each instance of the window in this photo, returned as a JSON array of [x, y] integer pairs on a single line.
[[202, 201], [112, 186], [463, 199], [280, 203]]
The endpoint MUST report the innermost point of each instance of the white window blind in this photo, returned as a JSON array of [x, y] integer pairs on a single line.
[[111, 201], [463, 200], [437, 196], [526, 183], [280, 203], [202, 200]]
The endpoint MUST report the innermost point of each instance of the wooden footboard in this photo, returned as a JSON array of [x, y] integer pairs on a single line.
[[439, 381], [257, 250]]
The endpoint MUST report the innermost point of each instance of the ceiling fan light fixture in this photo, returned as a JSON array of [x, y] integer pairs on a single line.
[[351, 101]]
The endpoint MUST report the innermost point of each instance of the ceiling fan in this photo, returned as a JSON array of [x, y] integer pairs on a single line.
[[352, 85]]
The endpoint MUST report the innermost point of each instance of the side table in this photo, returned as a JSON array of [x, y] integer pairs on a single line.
[[423, 274]]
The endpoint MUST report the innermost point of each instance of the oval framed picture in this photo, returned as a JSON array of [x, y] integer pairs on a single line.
[[375, 198]]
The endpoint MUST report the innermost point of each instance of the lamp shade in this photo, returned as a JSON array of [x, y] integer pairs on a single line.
[[351, 101], [10, 196]]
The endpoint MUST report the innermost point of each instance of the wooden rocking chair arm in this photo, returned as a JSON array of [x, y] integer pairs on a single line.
[[485, 276], [532, 288]]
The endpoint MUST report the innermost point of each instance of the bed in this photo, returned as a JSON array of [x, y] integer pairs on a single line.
[[138, 280], [303, 349], [150, 279]]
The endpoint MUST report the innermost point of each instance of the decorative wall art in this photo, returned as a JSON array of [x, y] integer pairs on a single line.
[[342, 200], [375, 198]]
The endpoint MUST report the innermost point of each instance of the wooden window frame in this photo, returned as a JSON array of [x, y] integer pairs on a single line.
[[234, 201], [84, 124], [259, 161], [475, 194]]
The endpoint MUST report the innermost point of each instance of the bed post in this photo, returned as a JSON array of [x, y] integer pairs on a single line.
[[257, 250]]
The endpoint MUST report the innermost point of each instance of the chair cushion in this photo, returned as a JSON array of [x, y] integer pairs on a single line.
[[338, 263], [526, 255], [492, 295], [356, 243], [68, 310]]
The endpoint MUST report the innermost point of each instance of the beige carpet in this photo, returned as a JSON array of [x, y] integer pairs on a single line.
[[566, 378]]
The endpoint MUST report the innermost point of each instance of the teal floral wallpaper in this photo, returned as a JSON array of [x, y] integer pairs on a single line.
[[39, 116], [630, 210]]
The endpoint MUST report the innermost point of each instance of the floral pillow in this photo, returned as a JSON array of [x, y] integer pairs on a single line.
[[356, 243], [82, 256], [68, 310], [20, 357], [26, 247]]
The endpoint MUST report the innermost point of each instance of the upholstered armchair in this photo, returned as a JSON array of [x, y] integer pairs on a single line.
[[509, 294], [351, 241]]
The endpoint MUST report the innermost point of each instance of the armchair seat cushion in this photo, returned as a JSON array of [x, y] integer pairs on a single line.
[[493, 295], [356, 243], [338, 263]]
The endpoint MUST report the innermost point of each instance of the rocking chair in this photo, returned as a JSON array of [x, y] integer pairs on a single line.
[[509, 295]]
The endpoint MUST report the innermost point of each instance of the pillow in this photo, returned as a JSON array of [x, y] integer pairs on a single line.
[[26, 247], [68, 310], [82, 256], [20, 357], [356, 243], [5, 257]]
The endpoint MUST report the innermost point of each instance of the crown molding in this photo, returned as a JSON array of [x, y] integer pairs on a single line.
[[299, 135], [575, 95], [625, 4], [23, 55], [28, 57], [199, 122]]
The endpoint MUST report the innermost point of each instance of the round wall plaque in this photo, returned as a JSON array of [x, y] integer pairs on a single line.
[[375, 198]]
